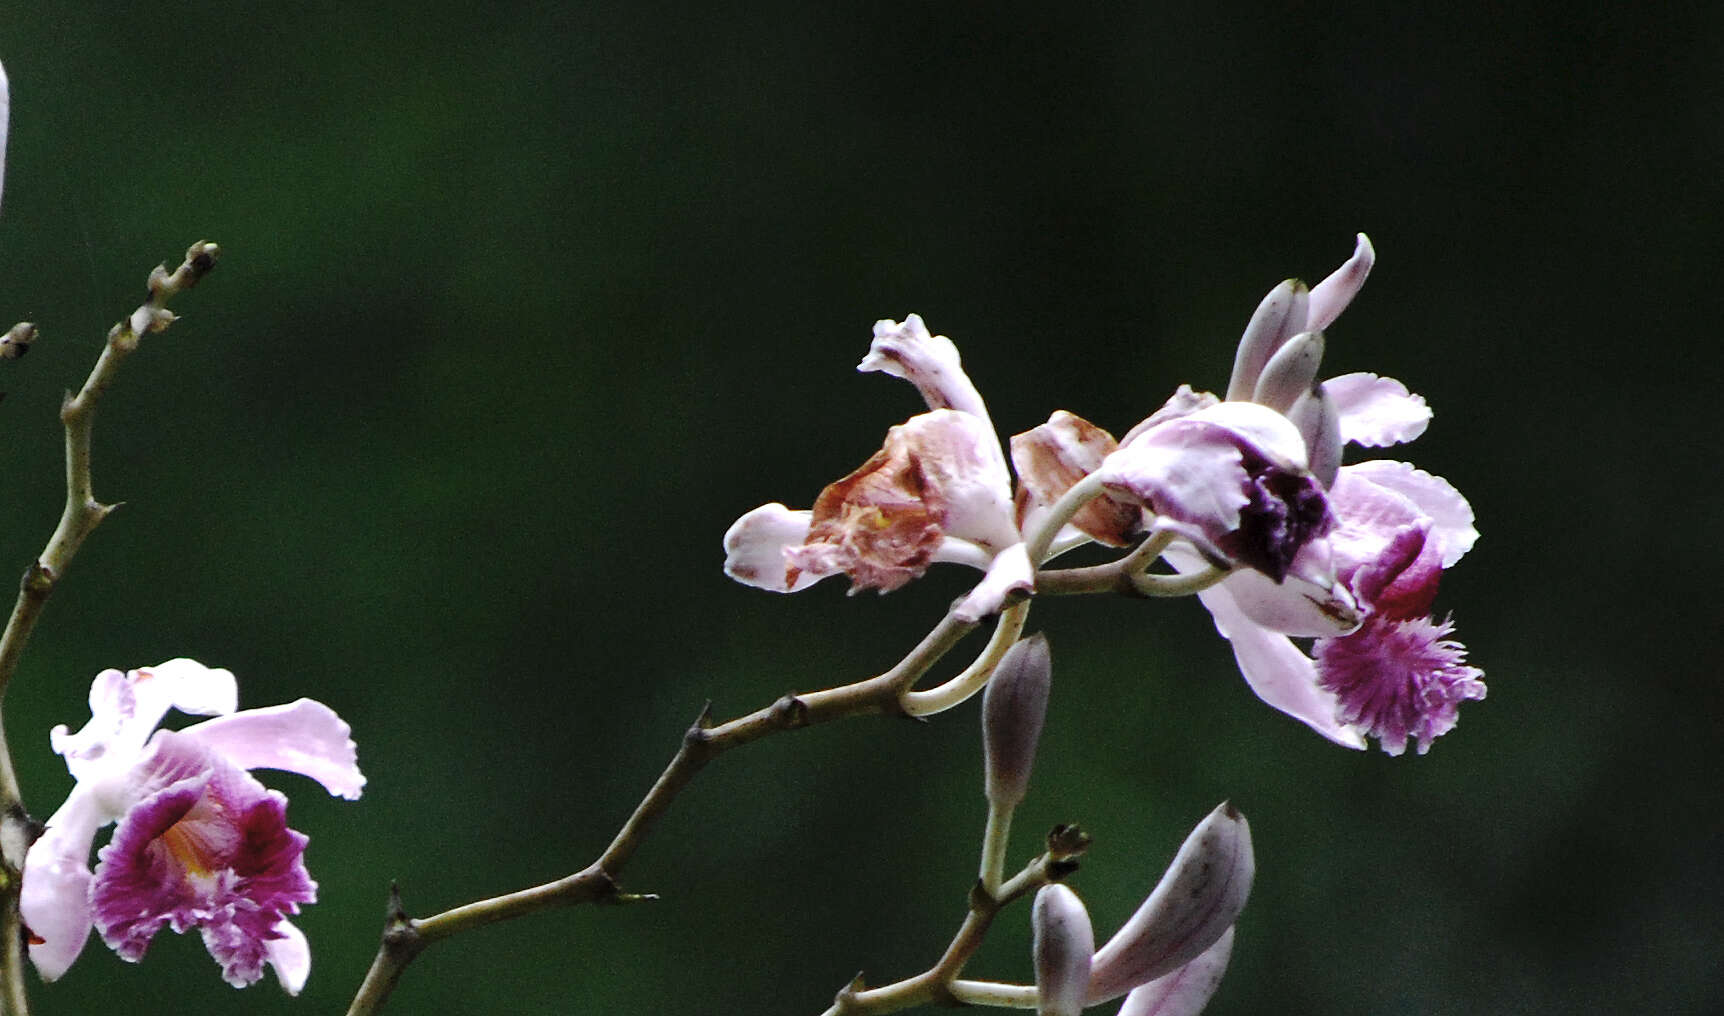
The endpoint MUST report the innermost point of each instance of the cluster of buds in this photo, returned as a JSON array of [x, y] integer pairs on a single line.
[[1166, 959]]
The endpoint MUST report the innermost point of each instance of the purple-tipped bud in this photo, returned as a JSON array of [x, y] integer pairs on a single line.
[[1064, 943], [1012, 711], [1190, 910], [1185, 991], [1319, 423], [1277, 318], [1290, 373]]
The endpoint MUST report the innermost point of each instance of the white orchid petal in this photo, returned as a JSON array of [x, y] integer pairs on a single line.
[[1010, 574], [1377, 411], [126, 707], [1267, 430], [1295, 606], [290, 955], [54, 897], [754, 549], [1190, 474], [304, 736], [930, 362], [960, 457], [112, 733], [189, 686]]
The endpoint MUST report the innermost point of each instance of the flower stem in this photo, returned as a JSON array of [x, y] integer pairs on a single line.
[[936, 984], [80, 517], [1070, 503], [995, 839], [996, 994], [942, 697]]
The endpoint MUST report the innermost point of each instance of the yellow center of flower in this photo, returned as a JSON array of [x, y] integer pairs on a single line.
[[188, 841]]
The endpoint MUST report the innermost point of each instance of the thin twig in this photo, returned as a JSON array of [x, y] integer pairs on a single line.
[[405, 938], [82, 514]]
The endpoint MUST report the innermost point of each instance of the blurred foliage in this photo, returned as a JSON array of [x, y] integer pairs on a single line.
[[524, 303]]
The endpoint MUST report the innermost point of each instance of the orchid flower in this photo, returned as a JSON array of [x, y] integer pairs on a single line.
[[1396, 675], [937, 491], [200, 843], [1254, 486]]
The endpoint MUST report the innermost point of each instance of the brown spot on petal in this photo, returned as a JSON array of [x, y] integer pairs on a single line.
[[1052, 458]]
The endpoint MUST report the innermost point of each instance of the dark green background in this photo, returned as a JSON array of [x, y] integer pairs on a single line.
[[523, 304]]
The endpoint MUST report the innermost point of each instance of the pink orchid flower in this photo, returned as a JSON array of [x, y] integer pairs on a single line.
[[1391, 671], [1253, 485], [200, 843]]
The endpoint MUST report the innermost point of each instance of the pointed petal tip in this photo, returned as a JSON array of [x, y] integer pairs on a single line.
[[1331, 296]]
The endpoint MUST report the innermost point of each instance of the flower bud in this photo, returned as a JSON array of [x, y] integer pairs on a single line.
[[1319, 423], [1290, 373], [1192, 907], [1013, 708], [1063, 945], [1185, 991], [1279, 316]]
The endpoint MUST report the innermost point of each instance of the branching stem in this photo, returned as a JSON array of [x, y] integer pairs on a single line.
[[404, 938], [80, 517], [936, 983], [890, 693]]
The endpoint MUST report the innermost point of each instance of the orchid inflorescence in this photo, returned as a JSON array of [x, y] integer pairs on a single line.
[[1245, 502]]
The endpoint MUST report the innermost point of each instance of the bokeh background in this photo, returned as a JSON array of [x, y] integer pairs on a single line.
[[522, 304]]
